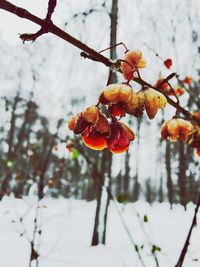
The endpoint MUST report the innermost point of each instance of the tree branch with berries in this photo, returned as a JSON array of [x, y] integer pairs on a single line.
[[119, 99], [100, 124]]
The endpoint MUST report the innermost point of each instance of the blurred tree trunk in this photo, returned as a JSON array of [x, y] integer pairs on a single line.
[[127, 174], [5, 180], [182, 175], [136, 185], [118, 184], [104, 174], [160, 192], [45, 164], [99, 232], [170, 186], [148, 191]]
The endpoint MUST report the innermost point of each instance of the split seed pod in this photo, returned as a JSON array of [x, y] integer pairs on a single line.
[[176, 128]]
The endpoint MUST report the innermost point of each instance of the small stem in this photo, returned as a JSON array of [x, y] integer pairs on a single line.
[[110, 47], [155, 53], [187, 242], [109, 77]]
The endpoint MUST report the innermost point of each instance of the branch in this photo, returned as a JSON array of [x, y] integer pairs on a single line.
[[44, 29], [187, 242], [88, 52], [51, 7], [50, 27], [176, 105]]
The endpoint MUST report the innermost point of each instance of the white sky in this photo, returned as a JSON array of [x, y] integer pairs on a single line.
[[11, 25]]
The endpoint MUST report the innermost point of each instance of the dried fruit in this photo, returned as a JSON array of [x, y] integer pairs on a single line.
[[187, 80], [176, 128], [195, 141], [117, 109], [120, 138], [115, 93], [168, 63], [132, 60], [164, 86], [93, 139], [197, 152], [93, 126], [196, 115], [135, 106], [153, 100], [91, 114], [121, 99], [102, 126], [82, 120], [80, 124], [178, 91], [72, 122]]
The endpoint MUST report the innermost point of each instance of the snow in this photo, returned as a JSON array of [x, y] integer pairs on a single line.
[[67, 226], [62, 77]]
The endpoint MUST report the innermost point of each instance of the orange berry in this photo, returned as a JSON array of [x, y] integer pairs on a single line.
[[93, 140], [91, 114], [176, 129], [72, 122], [187, 80], [116, 109], [197, 152], [179, 91], [163, 86], [168, 63], [196, 114], [118, 150]]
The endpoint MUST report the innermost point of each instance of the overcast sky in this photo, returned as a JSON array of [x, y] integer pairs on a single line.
[[11, 25]]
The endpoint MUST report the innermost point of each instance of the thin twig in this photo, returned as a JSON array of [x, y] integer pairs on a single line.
[[187, 242]]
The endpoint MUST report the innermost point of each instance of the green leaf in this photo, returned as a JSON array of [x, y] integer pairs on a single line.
[[145, 218], [75, 154], [155, 249]]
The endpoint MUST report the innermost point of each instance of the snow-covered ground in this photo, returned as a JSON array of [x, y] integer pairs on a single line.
[[67, 230]]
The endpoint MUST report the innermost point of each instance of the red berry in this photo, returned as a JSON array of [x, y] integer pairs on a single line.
[[168, 63], [187, 80], [120, 137], [116, 110]]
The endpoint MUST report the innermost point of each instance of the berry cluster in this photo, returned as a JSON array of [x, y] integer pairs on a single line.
[[104, 130], [98, 133]]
